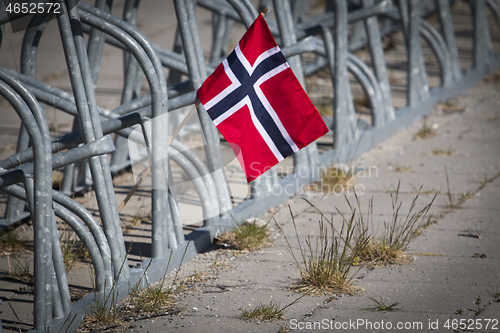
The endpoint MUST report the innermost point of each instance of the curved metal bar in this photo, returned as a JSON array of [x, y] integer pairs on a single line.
[[208, 210], [89, 96], [89, 127], [243, 12], [86, 237], [370, 85], [96, 42], [495, 7], [411, 18], [136, 35], [251, 8], [80, 230], [449, 36], [98, 147], [56, 92], [304, 159], [46, 196], [438, 45], [197, 74], [156, 82], [61, 298], [28, 66], [202, 170], [167, 58], [31, 39], [219, 28], [93, 226], [378, 62], [160, 212], [43, 302], [131, 88]]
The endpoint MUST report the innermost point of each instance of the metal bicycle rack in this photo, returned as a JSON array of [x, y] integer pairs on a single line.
[[332, 36]]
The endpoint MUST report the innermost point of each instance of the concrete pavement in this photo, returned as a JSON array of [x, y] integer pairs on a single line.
[[449, 270]]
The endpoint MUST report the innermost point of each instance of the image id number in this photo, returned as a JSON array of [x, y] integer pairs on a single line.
[[33, 8], [471, 324]]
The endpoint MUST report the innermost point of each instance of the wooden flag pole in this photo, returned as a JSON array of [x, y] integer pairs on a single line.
[[264, 12], [146, 171]]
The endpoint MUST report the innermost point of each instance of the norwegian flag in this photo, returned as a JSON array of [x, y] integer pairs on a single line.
[[258, 104]]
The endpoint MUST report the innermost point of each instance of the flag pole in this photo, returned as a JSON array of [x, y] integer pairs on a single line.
[[184, 122], [146, 171], [264, 12]]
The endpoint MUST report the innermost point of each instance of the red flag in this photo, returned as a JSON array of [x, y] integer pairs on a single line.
[[258, 104]]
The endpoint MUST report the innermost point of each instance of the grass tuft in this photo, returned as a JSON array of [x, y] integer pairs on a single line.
[[397, 234], [72, 250], [381, 306], [448, 152], [153, 299], [250, 235], [139, 216], [450, 107], [337, 175], [494, 292], [11, 241], [21, 271], [326, 260], [401, 168], [102, 314], [271, 311], [105, 313], [425, 132]]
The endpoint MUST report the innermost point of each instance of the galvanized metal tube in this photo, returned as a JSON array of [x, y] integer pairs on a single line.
[[96, 42], [89, 136], [288, 38], [29, 48], [176, 217], [60, 274], [44, 172], [213, 151], [98, 147], [80, 230], [438, 45], [482, 39], [197, 180], [202, 170], [86, 237], [86, 78], [159, 200], [378, 62], [449, 36], [96, 231], [40, 206], [370, 86], [132, 74], [243, 12], [345, 122]]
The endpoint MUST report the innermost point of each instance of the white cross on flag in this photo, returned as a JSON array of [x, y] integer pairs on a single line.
[[258, 104]]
